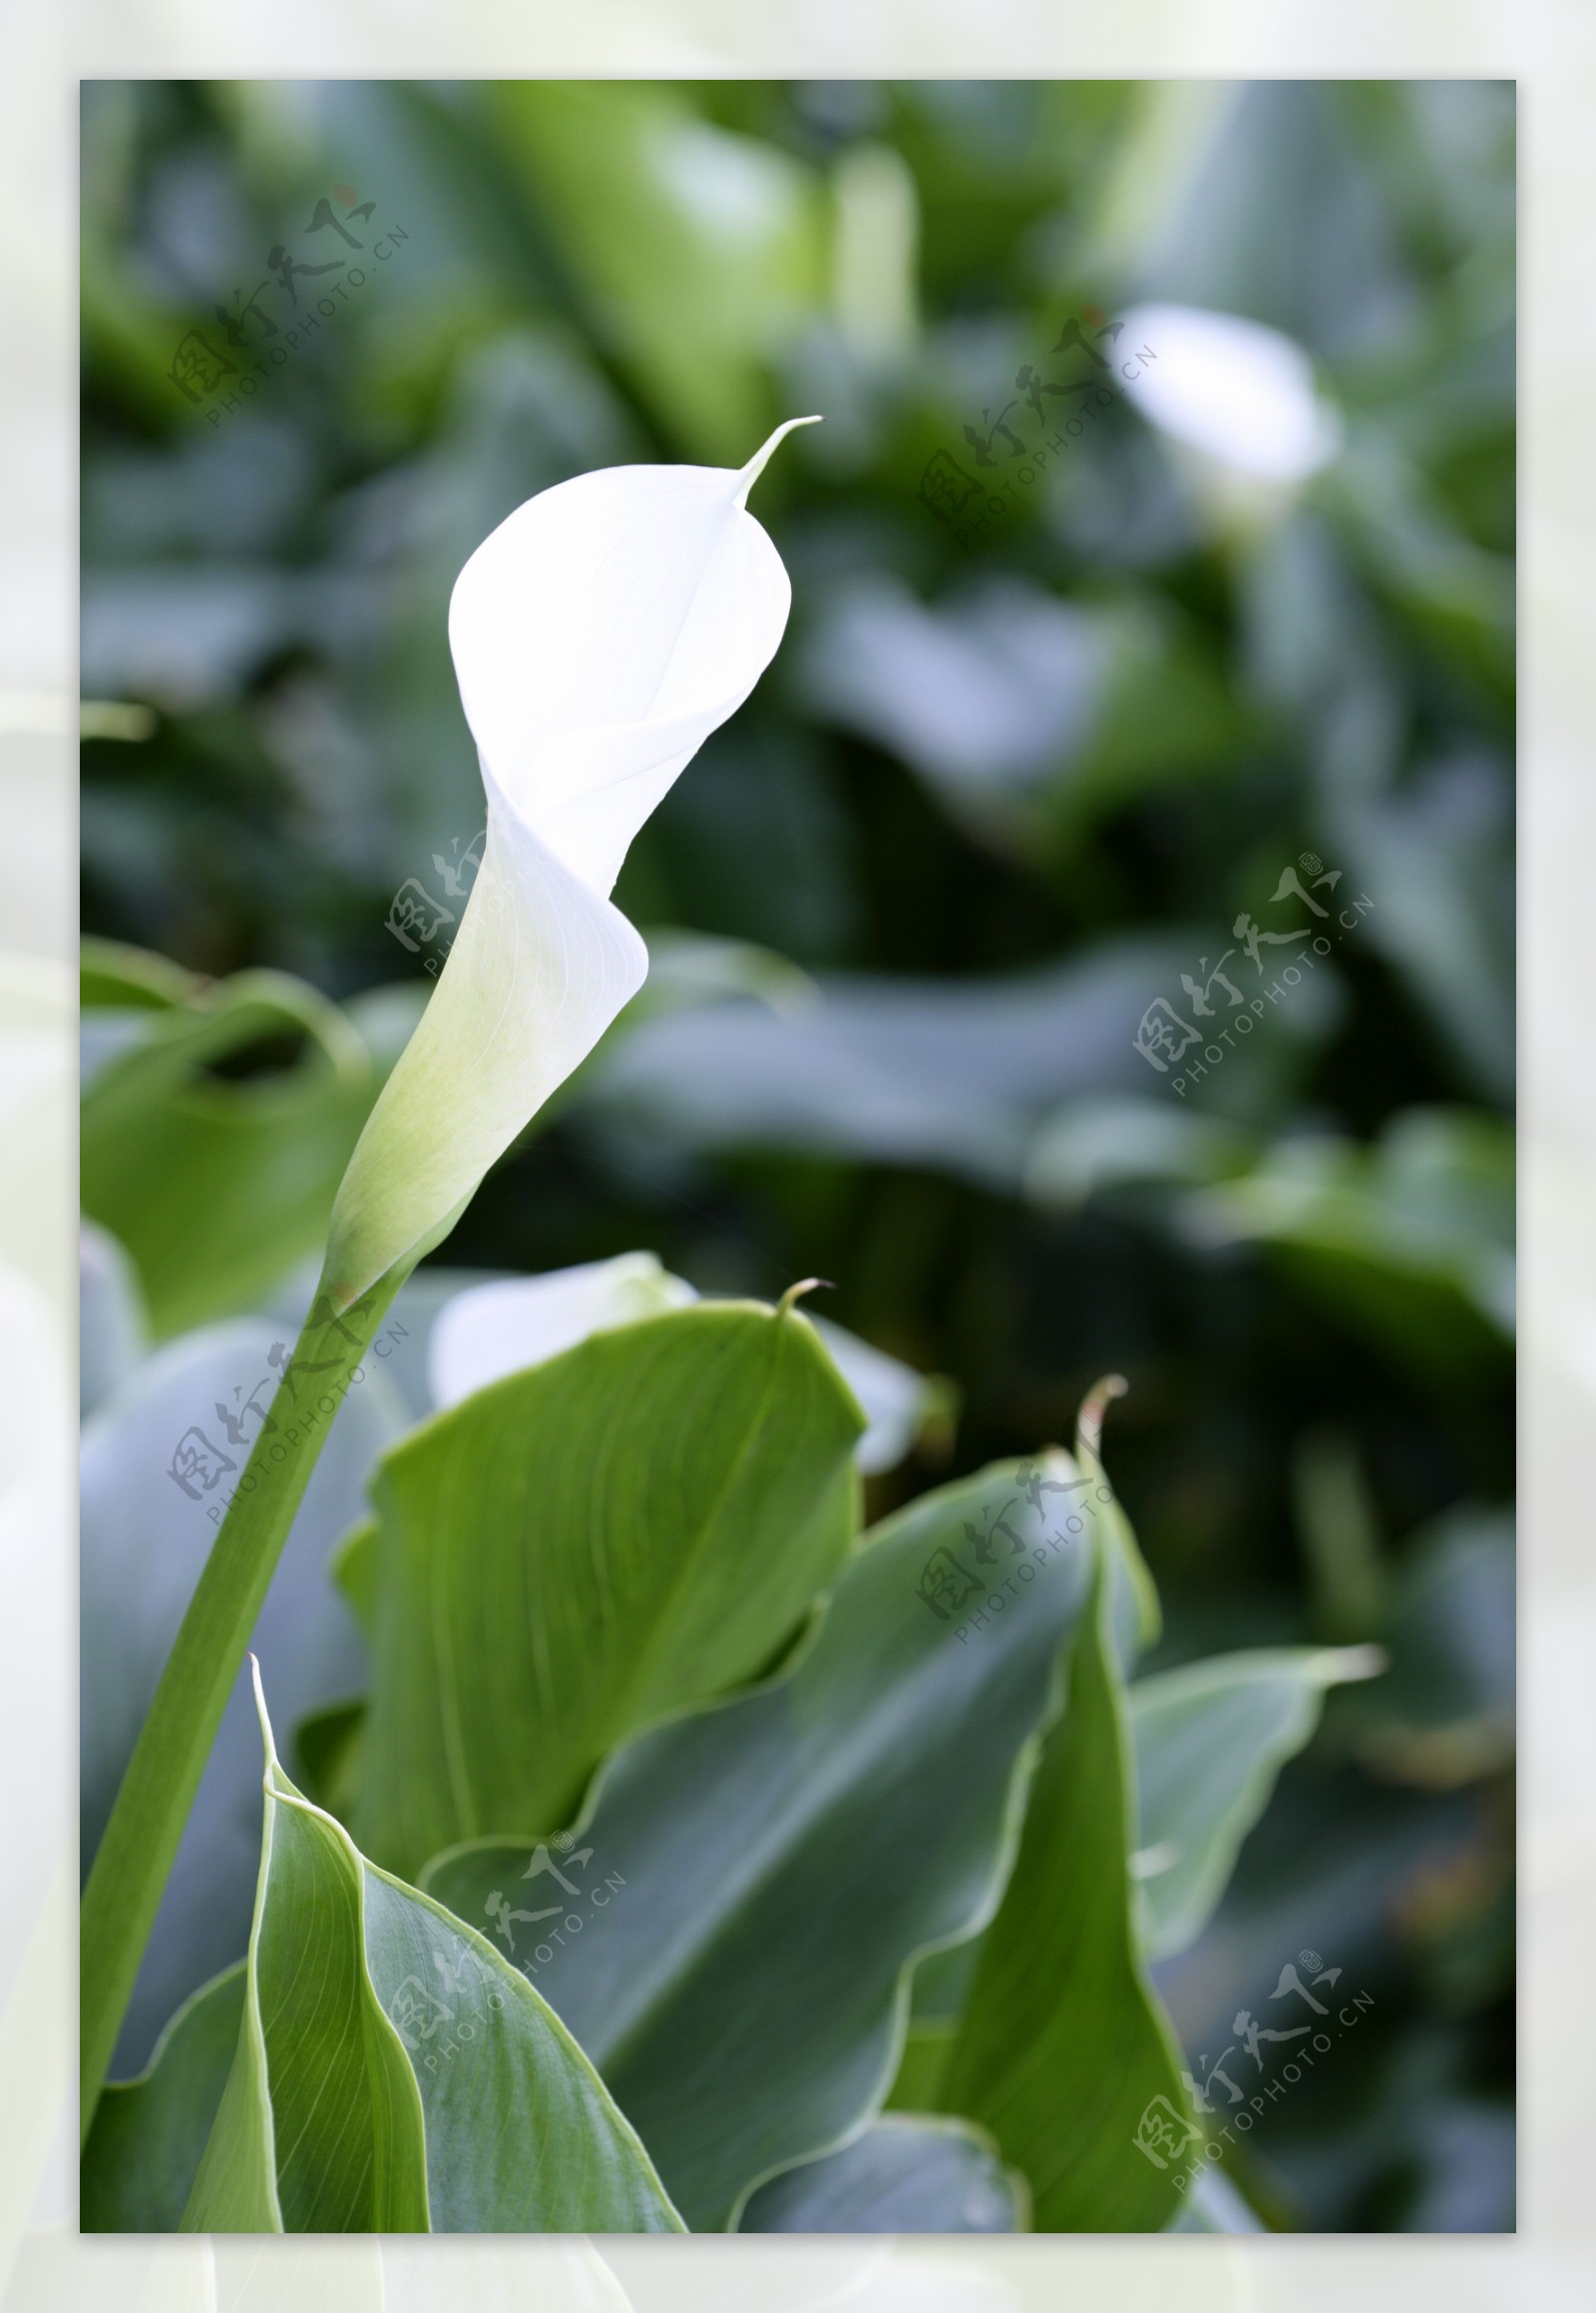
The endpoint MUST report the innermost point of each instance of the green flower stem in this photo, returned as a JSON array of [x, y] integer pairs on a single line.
[[135, 1855]]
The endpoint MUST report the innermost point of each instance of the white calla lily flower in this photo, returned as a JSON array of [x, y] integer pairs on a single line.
[[599, 634], [1238, 391], [493, 1329]]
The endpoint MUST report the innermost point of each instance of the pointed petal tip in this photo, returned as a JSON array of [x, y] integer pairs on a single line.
[[756, 464]]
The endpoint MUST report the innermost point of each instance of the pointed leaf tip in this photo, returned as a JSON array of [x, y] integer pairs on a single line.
[[1095, 1404], [263, 1715], [795, 1292], [757, 463]]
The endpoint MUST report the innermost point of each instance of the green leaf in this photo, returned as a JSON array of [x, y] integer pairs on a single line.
[[392, 2074], [901, 2176], [928, 2044], [635, 187], [217, 1183], [149, 2134], [1209, 1740], [1409, 1243], [1064, 2045], [112, 976], [579, 1549], [770, 1867]]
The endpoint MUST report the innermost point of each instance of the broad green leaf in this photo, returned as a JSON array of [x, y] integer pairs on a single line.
[[216, 1183], [752, 1881], [576, 1550], [1064, 2047], [392, 2074], [1209, 1740], [149, 2134], [900, 2175], [489, 1330]]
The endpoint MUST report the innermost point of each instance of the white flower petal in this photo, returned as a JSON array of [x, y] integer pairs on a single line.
[[599, 634], [1240, 392]]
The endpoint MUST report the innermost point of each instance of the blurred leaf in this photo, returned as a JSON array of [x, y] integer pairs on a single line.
[[1208, 1740], [698, 252], [1026, 715], [1409, 1242], [744, 2009], [901, 2176], [1445, 1715], [116, 977], [952, 1074], [112, 1331], [215, 1178], [1103, 1143], [1064, 2045], [392, 2073], [585, 1546]]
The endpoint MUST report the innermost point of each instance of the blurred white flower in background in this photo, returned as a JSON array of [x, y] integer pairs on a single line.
[[1241, 396]]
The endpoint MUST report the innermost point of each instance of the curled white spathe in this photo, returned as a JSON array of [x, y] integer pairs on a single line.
[[1240, 392], [599, 634]]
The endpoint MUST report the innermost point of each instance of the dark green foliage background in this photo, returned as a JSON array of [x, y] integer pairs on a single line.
[[1337, 681]]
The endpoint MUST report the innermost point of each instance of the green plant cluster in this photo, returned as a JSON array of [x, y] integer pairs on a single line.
[[1000, 791]]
